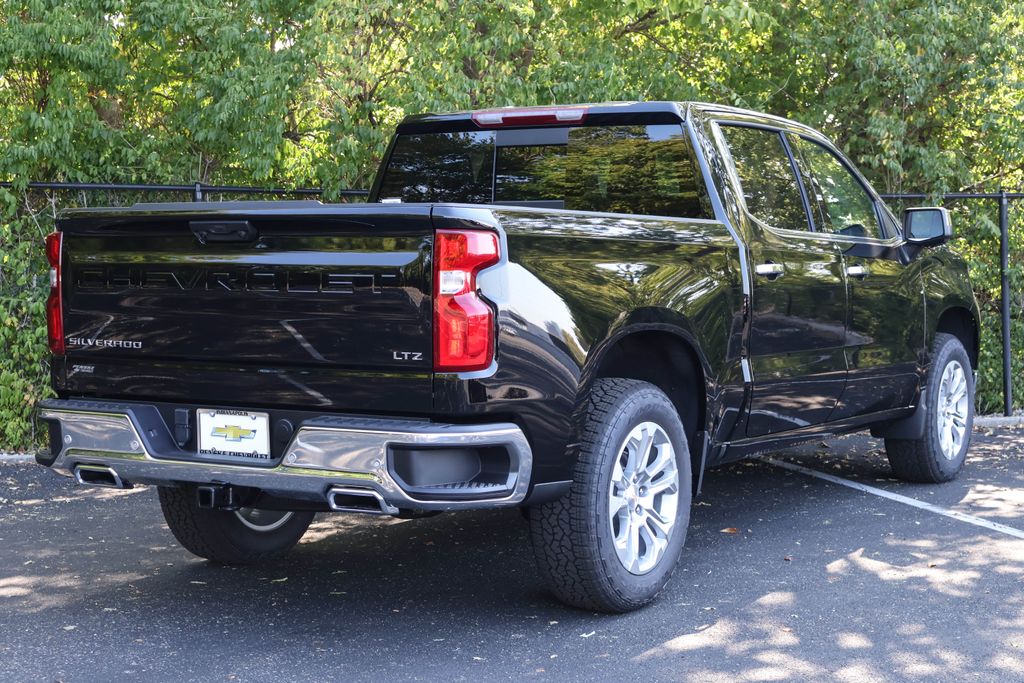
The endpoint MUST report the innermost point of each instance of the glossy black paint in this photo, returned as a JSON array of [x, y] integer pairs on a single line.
[[328, 309], [773, 361], [571, 286], [886, 341]]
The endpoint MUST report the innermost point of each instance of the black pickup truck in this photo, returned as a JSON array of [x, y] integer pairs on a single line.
[[574, 310]]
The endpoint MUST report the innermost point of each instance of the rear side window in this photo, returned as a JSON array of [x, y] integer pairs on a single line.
[[618, 169], [770, 187]]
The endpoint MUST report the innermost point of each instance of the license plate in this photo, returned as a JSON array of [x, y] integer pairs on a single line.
[[235, 433]]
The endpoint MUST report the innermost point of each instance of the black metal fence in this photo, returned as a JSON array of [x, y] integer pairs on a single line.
[[1003, 199], [199, 191]]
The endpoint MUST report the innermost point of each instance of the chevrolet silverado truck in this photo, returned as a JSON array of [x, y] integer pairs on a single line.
[[574, 310]]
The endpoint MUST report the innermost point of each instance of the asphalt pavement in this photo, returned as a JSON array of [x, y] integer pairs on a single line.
[[784, 577]]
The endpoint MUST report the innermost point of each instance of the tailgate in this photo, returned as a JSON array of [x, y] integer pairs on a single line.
[[288, 304]]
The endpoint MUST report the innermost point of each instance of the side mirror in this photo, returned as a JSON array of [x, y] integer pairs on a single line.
[[927, 225]]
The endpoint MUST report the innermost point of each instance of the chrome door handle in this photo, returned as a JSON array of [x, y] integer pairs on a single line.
[[770, 270], [857, 271]]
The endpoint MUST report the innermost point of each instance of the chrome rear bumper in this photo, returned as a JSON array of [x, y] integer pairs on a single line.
[[324, 454]]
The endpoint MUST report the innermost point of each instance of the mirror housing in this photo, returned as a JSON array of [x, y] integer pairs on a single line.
[[927, 225]]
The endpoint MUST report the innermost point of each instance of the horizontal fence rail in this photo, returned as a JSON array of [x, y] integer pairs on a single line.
[[1004, 199], [197, 190]]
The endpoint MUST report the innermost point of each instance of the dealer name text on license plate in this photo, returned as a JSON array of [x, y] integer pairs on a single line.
[[236, 433]]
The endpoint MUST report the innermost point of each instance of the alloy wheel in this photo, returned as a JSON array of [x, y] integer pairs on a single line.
[[643, 497]]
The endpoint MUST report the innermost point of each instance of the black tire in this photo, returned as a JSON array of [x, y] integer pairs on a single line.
[[923, 460], [221, 536], [573, 537]]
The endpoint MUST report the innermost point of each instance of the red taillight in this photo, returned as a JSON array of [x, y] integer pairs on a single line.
[[463, 322], [537, 116], [55, 302]]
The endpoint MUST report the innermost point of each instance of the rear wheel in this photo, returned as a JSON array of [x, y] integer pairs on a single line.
[[243, 536], [940, 453], [613, 541]]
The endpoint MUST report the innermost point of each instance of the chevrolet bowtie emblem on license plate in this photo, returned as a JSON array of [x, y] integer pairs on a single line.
[[233, 432]]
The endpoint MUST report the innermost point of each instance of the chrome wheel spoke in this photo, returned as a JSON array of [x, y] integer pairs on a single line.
[[664, 484], [653, 546], [643, 453], [632, 546], [657, 466], [619, 478], [660, 526], [632, 449], [616, 503]]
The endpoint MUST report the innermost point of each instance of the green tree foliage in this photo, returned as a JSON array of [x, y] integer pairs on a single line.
[[925, 95]]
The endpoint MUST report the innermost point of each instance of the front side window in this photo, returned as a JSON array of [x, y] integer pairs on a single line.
[[640, 169], [846, 207], [769, 185]]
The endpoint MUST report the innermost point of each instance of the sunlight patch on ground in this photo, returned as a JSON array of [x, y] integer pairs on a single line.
[[993, 501]]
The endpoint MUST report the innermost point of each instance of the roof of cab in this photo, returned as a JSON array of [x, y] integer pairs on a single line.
[[646, 112], [600, 112]]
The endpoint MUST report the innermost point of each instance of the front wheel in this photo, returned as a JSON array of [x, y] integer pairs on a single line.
[[940, 453], [243, 536], [613, 541]]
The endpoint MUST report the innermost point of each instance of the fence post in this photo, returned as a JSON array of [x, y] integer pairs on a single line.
[[1004, 275], [198, 195]]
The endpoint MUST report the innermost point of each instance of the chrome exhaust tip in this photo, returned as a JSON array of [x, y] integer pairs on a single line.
[[99, 475], [352, 499]]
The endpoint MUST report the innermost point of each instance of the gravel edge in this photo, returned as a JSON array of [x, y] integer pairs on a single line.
[[999, 421], [16, 457]]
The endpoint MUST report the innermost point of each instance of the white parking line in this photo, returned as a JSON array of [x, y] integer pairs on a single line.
[[912, 502]]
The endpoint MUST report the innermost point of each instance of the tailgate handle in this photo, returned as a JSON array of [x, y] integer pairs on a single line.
[[223, 231]]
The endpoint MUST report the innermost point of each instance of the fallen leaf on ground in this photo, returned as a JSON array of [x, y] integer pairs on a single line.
[[730, 530]]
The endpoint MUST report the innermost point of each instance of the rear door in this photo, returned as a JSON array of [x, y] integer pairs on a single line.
[[312, 307], [798, 304], [885, 322]]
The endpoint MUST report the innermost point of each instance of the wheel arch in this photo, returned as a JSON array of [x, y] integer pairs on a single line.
[[958, 320], [668, 356]]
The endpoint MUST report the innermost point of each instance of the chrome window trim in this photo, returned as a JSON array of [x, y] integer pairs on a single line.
[[726, 116]]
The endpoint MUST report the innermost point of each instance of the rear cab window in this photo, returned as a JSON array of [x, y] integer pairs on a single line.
[[630, 169]]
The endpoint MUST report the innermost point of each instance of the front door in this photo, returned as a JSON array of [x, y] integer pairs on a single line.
[[798, 299], [885, 321]]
